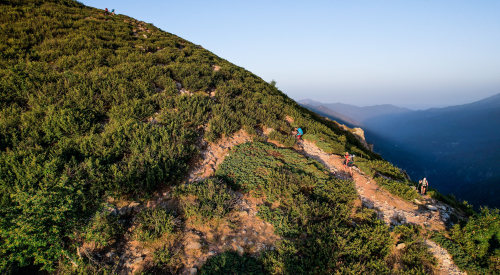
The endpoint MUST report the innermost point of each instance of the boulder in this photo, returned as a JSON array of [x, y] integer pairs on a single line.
[[400, 246], [431, 207], [193, 270], [193, 245]]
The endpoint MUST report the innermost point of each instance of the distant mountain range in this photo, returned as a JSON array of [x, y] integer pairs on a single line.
[[457, 147], [359, 114]]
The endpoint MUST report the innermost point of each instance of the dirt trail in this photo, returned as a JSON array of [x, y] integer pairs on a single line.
[[214, 154], [393, 210]]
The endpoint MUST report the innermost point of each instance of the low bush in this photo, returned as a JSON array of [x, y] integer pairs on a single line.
[[204, 200], [153, 223], [102, 229], [287, 140], [400, 189], [232, 263]]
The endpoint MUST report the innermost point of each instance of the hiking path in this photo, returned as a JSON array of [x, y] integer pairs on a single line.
[[391, 209]]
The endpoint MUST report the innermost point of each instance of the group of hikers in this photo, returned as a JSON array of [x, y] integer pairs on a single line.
[[106, 12], [423, 184], [348, 161]]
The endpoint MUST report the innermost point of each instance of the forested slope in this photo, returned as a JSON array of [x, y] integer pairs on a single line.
[[96, 108]]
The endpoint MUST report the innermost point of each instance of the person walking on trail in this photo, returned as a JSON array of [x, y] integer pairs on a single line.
[[425, 185], [299, 133], [348, 162], [106, 11], [113, 12]]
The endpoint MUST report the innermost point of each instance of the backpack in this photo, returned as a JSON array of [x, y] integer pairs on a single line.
[[351, 159], [425, 183]]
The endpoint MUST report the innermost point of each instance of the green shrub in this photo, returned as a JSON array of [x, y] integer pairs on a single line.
[[154, 223], [213, 199], [287, 140], [400, 189], [232, 263], [102, 229]]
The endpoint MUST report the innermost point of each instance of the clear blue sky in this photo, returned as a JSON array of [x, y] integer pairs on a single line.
[[415, 54]]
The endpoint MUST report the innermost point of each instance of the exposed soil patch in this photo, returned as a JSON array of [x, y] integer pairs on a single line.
[[242, 231]]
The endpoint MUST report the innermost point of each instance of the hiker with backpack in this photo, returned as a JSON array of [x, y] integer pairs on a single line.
[[348, 162], [113, 12], [425, 185], [106, 12], [299, 133]]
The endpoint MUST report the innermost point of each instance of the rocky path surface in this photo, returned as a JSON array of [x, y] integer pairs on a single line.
[[393, 210], [214, 153]]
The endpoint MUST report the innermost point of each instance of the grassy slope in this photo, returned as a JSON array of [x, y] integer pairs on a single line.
[[76, 91]]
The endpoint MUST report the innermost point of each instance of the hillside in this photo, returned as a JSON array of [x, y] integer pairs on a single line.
[[127, 149]]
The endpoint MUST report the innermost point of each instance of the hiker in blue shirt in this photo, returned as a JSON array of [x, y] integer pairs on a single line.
[[299, 133]]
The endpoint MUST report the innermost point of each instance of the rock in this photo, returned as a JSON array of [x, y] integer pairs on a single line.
[[178, 85], [122, 211], [442, 207], [138, 260], [240, 249], [400, 246], [242, 214], [193, 270], [133, 206], [211, 253], [431, 207], [193, 245], [417, 201], [110, 254], [233, 240]]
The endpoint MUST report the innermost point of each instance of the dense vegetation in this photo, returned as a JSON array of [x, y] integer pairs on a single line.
[[313, 211], [97, 108], [475, 244]]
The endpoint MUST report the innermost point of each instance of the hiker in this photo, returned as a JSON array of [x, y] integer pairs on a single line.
[[113, 12], [106, 11], [419, 186], [346, 160], [425, 185], [350, 163], [299, 133]]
